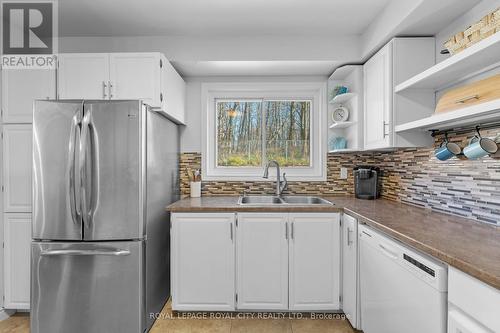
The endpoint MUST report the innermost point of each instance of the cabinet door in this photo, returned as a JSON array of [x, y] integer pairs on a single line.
[[20, 88], [174, 93], [203, 264], [262, 261], [350, 268], [314, 261], [17, 167], [378, 99], [83, 76], [17, 238], [136, 76]]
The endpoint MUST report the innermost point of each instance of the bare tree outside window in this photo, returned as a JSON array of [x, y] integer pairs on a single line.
[[245, 139], [239, 133]]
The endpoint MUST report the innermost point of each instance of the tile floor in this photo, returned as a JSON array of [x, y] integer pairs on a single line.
[[169, 322]]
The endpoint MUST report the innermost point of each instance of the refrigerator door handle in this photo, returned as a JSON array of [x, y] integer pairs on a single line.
[[96, 252], [84, 188], [73, 177]]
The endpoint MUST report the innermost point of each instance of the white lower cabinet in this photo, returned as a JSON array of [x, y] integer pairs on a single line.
[[262, 261], [472, 304], [314, 261], [17, 239], [203, 261], [350, 281], [288, 261], [283, 261]]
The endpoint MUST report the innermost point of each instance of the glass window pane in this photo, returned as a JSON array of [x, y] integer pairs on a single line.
[[288, 132], [239, 136]]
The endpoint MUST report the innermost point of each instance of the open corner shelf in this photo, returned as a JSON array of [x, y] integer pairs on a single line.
[[470, 61], [472, 115], [342, 98], [343, 124]]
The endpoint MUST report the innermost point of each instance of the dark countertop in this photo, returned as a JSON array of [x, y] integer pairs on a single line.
[[470, 246]]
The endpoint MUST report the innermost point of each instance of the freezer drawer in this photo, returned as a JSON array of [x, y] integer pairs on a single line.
[[87, 287]]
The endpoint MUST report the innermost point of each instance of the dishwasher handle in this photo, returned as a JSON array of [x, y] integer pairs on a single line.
[[388, 251]]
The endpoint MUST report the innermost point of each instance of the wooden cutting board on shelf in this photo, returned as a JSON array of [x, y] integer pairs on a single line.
[[471, 94]]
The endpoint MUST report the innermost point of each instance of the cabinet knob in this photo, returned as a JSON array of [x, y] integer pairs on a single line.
[[161, 97]]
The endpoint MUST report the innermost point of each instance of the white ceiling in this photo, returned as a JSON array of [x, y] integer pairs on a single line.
[[251, 37], [216, 17]]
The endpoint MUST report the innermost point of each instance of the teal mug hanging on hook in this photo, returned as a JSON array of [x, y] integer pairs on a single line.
[[447, 150], [479, 147]]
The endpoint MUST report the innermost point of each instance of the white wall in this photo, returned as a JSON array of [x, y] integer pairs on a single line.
[[460, 24], [191, 135]]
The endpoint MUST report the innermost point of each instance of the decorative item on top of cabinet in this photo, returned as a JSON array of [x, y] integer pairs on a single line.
[[487, 26], [397, 61]]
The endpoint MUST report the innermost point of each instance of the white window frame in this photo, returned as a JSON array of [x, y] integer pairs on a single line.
[[314, 91]]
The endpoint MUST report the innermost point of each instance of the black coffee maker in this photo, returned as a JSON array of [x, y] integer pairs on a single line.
[[366, 182]]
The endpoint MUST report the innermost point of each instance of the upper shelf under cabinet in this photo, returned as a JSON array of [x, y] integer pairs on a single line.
[[471, 61]]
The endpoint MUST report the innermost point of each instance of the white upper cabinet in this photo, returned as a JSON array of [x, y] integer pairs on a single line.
[[20, 88], [203, 262], [397, 61], [262, 262], [17, 168], [314, 261], [83, 76], [146, 76], [378, 99], [136, 76], [174, 93], [16, 269], [350, 304]]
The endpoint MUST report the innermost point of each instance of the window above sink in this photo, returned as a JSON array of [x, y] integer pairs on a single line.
[[249, 124]]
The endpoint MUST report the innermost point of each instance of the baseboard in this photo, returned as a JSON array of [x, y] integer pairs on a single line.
[[4, 314]]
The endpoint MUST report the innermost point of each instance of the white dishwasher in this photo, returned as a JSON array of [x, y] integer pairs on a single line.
[[401, 290]]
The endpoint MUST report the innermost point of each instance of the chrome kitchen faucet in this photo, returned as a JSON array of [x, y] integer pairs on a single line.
[[280, 185]]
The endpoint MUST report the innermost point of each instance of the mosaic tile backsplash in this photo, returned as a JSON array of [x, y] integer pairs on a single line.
[[468, 188]]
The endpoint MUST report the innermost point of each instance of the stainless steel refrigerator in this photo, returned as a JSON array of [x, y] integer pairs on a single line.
[[103, 173]]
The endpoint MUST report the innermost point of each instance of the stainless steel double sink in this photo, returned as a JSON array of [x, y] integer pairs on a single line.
[[268, 200]]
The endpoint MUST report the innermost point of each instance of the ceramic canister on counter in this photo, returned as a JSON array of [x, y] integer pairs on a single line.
[[195, 189], [479, 147]]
